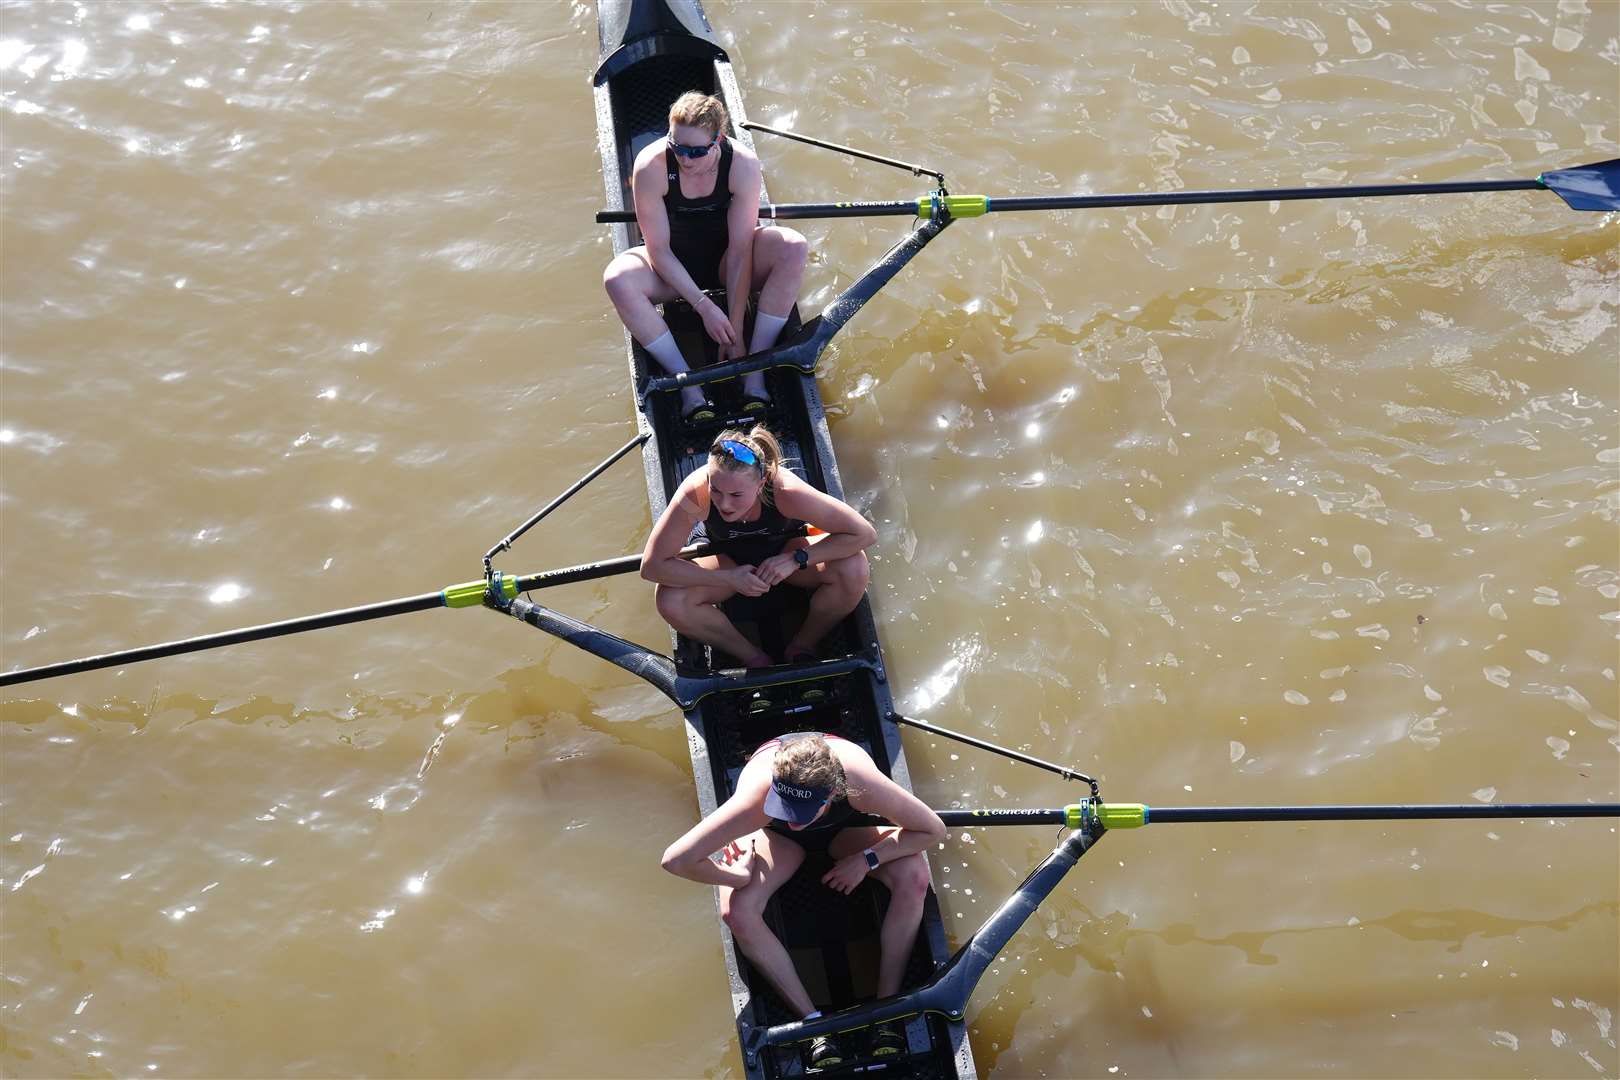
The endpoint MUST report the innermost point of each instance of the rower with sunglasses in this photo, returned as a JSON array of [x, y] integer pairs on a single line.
[[696, 198], [749, 506]]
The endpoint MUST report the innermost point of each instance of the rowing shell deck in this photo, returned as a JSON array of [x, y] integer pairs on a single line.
[[651, 52]]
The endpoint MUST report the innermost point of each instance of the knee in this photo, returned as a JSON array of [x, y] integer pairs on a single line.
[[795, 248], [617, 283], [741, 917], [671, 604], [908, 881], [853, 573]]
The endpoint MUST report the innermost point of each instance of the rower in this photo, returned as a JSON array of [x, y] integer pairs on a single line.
[[792, 798], [752, 510], [696, 197]]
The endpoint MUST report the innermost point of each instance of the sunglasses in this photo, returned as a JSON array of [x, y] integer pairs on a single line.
[[692, 153], [737, 452]]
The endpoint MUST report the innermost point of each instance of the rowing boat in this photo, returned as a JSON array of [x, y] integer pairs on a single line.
[[651, 52]]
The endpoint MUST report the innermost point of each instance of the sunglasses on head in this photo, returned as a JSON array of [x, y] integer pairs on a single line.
[[692, 153], [737, 452]]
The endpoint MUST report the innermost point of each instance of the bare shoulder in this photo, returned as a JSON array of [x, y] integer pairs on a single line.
[[649, 166], [755, 777], [858, 764], [742, 153], [798, 498], [745, 165], [693, 494]]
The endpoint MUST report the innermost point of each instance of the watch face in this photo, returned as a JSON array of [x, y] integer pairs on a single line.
[[801, 556], [871, 860]]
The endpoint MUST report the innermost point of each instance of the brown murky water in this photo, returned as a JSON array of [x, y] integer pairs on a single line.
[[1311, 502]]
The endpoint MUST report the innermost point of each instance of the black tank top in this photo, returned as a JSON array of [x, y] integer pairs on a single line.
[[698, 232], [771, 524]]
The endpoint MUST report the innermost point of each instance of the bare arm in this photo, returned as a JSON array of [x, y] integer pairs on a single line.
[[872, 792], [847, 531], [648, 186], [739, 815], [741, 221], [660, 560]]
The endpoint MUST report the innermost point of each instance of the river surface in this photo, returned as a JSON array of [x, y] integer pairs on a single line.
[[1309, 502]]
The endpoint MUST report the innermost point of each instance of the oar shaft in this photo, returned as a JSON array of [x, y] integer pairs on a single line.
[[624, 564], [791, 211], [466, 594], [1072, 816], [1134, 815], [1174, 198], [342, 617]]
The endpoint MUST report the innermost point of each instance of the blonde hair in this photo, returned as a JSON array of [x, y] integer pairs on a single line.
[[699, 110], [809, 762], [765, 447]]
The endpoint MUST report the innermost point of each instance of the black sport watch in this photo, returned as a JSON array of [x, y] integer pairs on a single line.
[[802, 557], [871, 859]]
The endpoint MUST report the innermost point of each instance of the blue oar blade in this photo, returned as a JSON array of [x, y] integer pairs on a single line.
[[1587, 187]]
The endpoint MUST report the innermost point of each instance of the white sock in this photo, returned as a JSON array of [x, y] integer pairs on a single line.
[[766, 330], [667, 353]]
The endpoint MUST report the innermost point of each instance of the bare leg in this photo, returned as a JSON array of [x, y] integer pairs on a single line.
[[743, 911], [779, 258], [695, 612], [839, 586], [635, 288], [907, 881], [778, 270]]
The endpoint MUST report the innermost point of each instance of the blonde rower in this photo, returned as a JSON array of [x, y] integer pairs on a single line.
[[749, 505]]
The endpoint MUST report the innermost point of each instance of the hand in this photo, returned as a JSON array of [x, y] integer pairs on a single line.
[[750, 865], [777, 568], [715, 322], [734, 351], [745, 580], [846, 873]]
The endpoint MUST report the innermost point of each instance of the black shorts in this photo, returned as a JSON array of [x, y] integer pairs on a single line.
[[700, 253]]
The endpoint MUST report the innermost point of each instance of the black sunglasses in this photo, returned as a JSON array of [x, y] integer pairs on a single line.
[[692, 153]]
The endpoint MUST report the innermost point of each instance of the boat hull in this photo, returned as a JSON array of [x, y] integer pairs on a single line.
[[651, 52]]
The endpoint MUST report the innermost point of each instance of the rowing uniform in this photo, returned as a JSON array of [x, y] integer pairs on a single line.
[[816, 836], [698, 233], [750, 543]]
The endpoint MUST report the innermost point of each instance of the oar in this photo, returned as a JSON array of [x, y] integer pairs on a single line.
[[1584, 187], [466, 594], [947, 993], [1135, 815]]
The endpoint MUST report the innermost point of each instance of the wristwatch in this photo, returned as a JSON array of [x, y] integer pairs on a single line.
[[802, 557], [871, 857]]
